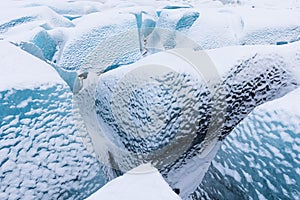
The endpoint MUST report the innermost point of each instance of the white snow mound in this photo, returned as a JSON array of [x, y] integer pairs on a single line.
[[143, 182], [21, 70]]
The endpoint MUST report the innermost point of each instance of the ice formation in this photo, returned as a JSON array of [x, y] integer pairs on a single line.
[[42, 155], [41, 145]]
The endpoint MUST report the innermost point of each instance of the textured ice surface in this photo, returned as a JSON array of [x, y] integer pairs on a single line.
[[128, 103], [100, 36], [67, 33], [41, 153], [260, 158]]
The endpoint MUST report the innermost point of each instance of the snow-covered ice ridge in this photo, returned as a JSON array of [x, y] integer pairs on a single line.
[[41, 153]]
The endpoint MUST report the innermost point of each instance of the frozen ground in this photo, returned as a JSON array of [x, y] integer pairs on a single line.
[[42, 154]]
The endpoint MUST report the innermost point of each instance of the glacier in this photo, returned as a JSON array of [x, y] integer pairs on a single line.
[[50, 51]]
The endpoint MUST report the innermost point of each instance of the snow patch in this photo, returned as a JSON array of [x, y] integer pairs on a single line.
[[143, 182], [21, 70]]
